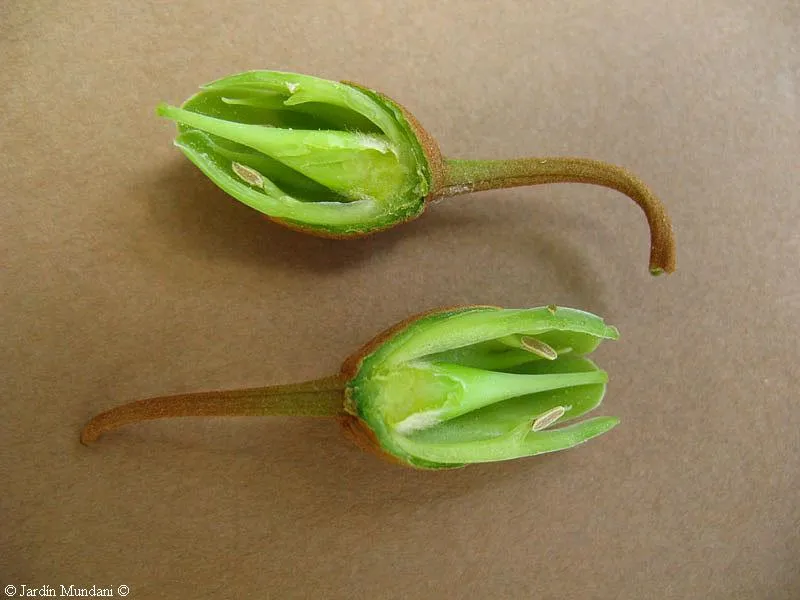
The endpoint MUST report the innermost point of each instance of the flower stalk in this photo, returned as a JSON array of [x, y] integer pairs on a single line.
[[465, 176], [317, 398]]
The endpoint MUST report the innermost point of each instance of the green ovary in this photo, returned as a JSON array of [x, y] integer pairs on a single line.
[[414, 397]]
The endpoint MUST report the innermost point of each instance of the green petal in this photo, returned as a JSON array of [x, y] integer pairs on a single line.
[[482, 325], [509, 446], [276, 204]]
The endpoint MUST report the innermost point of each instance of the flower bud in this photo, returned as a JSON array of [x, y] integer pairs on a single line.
[[335, 159], [437, 391], [317, 155], [478, 384]]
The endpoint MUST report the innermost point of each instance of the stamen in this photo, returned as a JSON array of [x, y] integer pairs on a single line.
[[538, 347], [551, 416], [551, 308], [248, 174]]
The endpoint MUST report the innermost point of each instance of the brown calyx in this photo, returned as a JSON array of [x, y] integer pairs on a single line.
[[358, 432], [432, 152]]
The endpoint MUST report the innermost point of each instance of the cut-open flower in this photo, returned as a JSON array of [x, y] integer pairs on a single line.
[[339, 160], [441, 390]]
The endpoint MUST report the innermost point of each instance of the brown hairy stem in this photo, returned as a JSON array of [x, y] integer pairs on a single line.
[[317, 398], [465, 176]]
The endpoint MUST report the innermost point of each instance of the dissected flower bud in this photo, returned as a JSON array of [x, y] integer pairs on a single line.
[[340, 160], [441, 390]]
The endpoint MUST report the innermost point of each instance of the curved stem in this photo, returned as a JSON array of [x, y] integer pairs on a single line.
[[317, 398], [465, 176]]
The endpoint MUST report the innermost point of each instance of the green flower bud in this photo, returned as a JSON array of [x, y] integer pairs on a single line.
[[437, 391], [335, 159]]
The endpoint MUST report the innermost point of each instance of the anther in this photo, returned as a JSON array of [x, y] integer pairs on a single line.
[[538, 347], [551, 416], [248, 174]]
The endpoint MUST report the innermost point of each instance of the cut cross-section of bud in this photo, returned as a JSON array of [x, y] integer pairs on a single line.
[[341, 160], [437, 391], [480, 384], [335, 159]]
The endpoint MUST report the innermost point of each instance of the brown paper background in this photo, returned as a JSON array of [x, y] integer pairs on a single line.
[[125, 274]]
